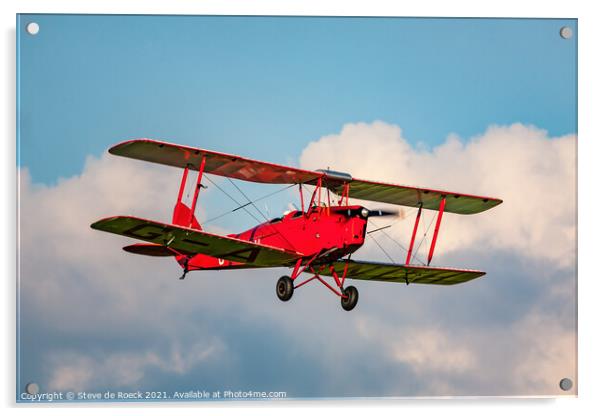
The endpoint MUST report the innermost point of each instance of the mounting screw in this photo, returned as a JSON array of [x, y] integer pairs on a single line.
[[566, 384], [32, 388], [32, 28], [566, 32]]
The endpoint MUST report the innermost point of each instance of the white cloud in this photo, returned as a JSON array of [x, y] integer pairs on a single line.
[[428, 350], [551, 355], [80, 372], [529, 357], [533, 173], [61, 255], [77, 373]]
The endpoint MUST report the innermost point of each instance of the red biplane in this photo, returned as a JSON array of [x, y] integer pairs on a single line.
[[317, 239]]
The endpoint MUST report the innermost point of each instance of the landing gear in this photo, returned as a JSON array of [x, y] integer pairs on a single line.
[[285, 288], [349, 298], [286, 285]]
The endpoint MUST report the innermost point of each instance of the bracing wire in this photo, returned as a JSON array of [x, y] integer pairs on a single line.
[[242, 206], [403, 248], [261, 213], [382, 230], [381, 248], [248, 199], [421, 241], [233, 199], [389, 236]]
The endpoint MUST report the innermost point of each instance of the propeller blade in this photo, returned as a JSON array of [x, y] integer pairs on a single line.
[[382, 213]]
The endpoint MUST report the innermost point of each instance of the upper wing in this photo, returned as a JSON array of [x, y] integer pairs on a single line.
[[222, 164], [399, 273], [237, 167], [413, 197], [189, 241]]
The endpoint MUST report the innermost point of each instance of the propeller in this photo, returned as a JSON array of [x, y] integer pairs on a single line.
[[368, 213], [381, 213]]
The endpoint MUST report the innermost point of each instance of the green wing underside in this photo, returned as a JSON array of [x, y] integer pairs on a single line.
[[399, 273], [189, 241]]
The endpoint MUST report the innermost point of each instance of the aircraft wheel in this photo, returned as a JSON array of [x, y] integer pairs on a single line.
[[350, 298], [285, 288]]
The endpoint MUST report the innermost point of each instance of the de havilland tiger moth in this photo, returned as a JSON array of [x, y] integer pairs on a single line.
[[317, 239]]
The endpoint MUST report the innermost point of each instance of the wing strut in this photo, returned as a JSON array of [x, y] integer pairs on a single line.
[[301, 197], [317, 191], [345, 194], [436, 233], [409, 257], [182, 185], [197, 189]]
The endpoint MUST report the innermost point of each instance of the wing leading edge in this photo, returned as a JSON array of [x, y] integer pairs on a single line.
[[398, 273], [188, 241]]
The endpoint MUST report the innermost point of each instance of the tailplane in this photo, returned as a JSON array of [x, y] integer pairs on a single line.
[[181, 216]]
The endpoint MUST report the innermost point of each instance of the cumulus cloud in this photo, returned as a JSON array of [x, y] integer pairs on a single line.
[[77, 371], [94, 317], [79, 283], [533, 173], [526, 357]]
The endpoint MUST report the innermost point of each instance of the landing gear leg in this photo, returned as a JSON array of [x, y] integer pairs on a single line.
[[349, 295]]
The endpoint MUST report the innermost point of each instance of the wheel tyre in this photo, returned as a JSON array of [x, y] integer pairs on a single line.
[[285, 288], [349, 298]]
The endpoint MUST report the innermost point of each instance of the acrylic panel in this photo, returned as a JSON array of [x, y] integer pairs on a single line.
[[429, 163]]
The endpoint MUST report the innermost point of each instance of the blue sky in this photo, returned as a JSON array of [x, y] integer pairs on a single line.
[[264, 87], [377, 97]]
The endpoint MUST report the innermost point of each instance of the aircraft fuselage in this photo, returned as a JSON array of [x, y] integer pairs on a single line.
[[329, 232]]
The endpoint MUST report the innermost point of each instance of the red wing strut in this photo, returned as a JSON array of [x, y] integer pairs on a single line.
[[188, 241]]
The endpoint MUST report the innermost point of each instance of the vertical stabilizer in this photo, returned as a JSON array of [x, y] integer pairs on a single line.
[[182, 216]]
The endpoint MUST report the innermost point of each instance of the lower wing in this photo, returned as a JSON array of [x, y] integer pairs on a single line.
[[387, 272], [188, 241]]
